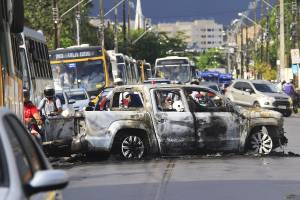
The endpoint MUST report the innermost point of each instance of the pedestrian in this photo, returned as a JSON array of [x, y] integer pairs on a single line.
[[289, 89]]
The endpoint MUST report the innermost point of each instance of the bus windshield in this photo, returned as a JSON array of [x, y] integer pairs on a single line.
[[87, 74], [174, 73]]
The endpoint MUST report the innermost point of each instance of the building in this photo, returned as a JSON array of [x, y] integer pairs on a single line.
[[202, 34]]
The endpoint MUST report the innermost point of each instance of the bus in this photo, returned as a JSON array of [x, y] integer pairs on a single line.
[[176, 69], [11, 86], [37, 73], [82, 66]]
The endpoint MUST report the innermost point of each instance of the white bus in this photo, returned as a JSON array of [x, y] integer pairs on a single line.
[[176, 69], [37, 73]]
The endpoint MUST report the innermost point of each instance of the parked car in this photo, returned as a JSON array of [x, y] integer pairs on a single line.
[[25, 172], [176, 119], [259, 93], [77, 99]]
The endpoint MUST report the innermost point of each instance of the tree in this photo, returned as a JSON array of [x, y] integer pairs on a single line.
[[152, 45], [212, 58], [38, 15]]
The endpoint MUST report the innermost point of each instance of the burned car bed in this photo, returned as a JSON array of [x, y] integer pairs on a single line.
[[176, 119]]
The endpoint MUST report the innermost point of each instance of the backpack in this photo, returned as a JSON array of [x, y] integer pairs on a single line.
[[43, 104]]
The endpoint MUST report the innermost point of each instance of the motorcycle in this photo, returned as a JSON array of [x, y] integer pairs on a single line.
[[36, 131]]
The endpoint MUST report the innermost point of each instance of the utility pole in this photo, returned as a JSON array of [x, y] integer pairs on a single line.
[[247, 52], [242, 52], [124, 21], [267, 33], [116, 27], [262, 13], [101, 24], [55, 24], [78, 24], [124, 26], [129, 19], [294, 34], [282, 41]]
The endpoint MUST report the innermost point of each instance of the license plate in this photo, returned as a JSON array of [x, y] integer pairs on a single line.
[[282, 107]]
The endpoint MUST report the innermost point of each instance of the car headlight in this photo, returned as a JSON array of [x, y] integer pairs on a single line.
[[268, 100]]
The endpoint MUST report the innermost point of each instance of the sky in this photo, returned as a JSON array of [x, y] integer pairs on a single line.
[[223, 11]]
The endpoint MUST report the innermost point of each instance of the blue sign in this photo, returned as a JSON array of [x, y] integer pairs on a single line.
[[295, 69], [72, 65]]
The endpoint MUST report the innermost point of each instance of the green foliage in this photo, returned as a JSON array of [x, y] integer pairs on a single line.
[[152, 45], [265, 69], [38, 15], [210, 59]]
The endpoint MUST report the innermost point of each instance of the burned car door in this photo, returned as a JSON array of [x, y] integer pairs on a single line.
[[217, 128], [173, 122]]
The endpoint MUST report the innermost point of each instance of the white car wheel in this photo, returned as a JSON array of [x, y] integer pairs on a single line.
[[261, 143]]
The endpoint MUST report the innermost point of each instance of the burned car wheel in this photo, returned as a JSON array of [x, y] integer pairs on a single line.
[[260, 142], [132, 147], [287, 113]]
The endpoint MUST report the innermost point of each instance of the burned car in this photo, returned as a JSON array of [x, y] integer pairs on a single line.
[[176, 119]]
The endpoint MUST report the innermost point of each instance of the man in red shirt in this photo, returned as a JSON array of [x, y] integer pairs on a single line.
[[32, 116]]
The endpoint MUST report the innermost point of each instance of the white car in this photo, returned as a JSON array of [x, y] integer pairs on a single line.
[[77, 99], [259, 93], [25, 172]]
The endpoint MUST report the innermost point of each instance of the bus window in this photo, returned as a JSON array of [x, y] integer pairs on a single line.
[[26, 77]]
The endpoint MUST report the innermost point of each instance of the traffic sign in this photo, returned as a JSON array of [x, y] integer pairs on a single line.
[[295, 69], [295, 56]]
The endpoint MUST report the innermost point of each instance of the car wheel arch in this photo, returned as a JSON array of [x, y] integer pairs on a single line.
[[272, 132], [127, 131]]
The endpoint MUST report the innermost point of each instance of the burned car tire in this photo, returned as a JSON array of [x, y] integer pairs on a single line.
[[131, 147], [260, 142], [256, 105], [287, 113]]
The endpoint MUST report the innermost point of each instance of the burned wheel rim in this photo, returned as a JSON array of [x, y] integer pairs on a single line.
[[132, 147], [261, 143]]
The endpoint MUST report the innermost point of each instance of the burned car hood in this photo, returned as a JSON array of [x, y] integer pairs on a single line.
[[251, 113]]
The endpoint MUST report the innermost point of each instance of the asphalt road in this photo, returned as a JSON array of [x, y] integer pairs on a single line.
[[228, 177]]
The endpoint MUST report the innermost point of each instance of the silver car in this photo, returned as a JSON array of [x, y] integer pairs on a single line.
[[24, 170], [259, 93]]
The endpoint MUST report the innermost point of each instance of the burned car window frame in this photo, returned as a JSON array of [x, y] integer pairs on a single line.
[[182, 98], [115, 101], [195, 106]]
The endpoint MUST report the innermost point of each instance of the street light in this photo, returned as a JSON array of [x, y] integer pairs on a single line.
[[141, 36], [245, 16], [268, 4]]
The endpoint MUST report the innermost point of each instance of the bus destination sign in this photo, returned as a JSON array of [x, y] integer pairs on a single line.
[[75, 54]]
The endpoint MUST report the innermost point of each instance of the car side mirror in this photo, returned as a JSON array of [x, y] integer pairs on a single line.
[[47, 180], [72, 101]]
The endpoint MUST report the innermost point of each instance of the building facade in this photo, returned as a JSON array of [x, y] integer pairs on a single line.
[[202, 34]]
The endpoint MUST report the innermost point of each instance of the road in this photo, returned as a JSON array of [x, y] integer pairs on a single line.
[[230, 177]]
